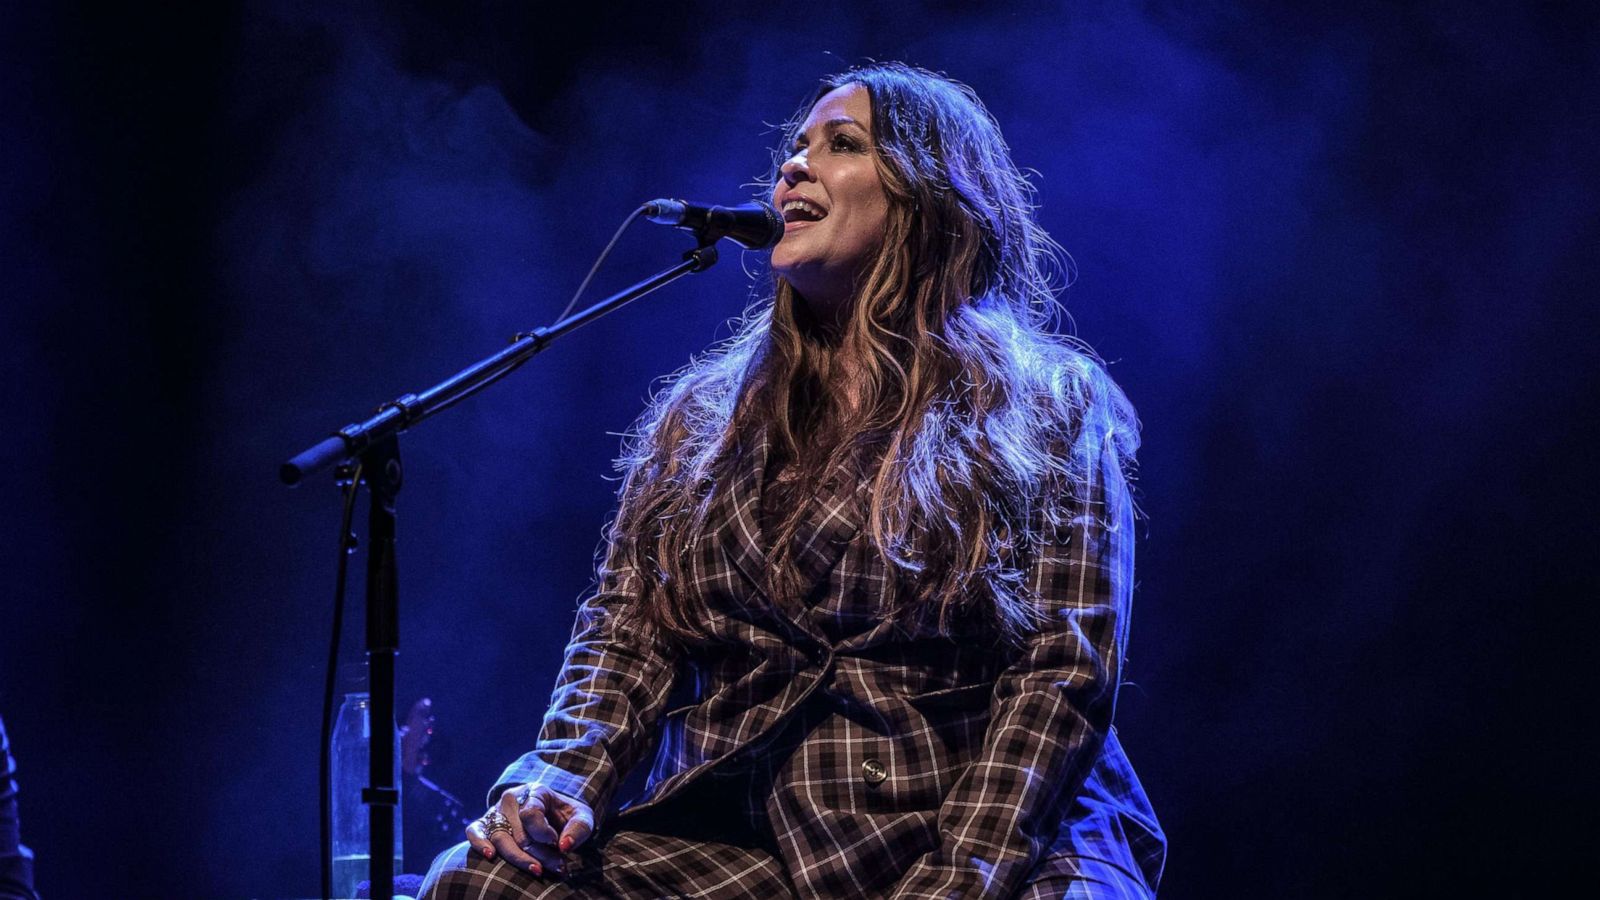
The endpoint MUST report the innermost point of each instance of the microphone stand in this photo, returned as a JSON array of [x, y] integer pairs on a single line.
[[376, 442]]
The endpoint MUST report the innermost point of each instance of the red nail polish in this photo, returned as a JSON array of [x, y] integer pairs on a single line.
[[566, 844], [536, 869]]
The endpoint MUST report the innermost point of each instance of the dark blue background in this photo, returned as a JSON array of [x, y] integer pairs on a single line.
[[1344, 262]]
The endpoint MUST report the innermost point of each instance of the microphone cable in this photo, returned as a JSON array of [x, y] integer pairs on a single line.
[[632, 217]]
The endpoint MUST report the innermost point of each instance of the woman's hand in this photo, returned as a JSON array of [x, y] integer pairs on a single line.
[[522, 829]]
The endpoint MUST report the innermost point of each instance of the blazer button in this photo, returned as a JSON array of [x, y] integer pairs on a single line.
[[874, 772]]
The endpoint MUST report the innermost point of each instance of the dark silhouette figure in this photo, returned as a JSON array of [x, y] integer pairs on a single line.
[[16, 861]]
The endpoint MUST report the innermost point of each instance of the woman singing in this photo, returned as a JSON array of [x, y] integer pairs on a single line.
[[881, 545]]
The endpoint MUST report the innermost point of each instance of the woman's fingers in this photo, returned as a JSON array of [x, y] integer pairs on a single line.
[[527, 807], [491, 836], [580, 824], [549, 859], [536, 825], [479, 840], [511, 808], [507, 849], [575, 818], [521, 829]]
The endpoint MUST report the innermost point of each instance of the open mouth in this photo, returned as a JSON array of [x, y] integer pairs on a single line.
[[802, 211]]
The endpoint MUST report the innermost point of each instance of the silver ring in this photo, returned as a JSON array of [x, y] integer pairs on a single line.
[[495, 820]]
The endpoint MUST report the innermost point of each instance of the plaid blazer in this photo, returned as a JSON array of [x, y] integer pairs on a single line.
[[884, 763]]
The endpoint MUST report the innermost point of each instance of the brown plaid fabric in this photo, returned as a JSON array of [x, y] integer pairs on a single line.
[[831, 753]]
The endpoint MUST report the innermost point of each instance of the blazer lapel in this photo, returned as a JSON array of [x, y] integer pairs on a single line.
[[739, 511], [833, 517]]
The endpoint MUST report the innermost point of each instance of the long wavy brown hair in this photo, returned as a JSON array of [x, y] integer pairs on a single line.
[[971, 408]]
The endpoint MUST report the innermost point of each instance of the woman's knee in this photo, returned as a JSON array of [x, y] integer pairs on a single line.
[[462, 872], [1069, 878], [450, 867]]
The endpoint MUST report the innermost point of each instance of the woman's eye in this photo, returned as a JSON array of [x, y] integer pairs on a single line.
[[845, 144]]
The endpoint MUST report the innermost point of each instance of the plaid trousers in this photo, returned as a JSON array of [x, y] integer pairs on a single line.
[[831, 753]]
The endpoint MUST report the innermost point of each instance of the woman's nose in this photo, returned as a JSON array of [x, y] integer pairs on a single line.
[[795, 168]]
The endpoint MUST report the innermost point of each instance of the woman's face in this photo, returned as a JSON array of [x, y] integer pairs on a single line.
[[832, 201]]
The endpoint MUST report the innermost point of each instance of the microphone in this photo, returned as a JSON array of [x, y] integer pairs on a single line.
[[753, 225]]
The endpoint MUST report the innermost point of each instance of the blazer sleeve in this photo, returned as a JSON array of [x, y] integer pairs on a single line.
[[1051, 708], [607, 700]]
